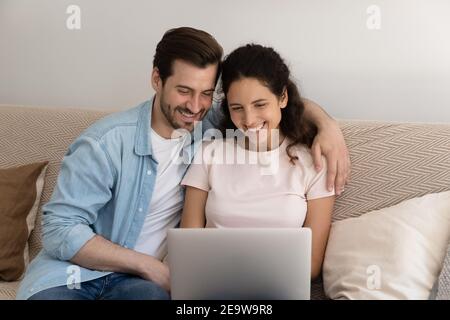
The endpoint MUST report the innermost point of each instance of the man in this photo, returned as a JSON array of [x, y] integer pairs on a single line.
[[118, 191]]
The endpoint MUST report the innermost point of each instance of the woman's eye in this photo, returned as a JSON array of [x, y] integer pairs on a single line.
[[260, 105], [236, 108]]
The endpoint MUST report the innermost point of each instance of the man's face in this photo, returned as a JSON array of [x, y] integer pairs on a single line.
[[187, 94]]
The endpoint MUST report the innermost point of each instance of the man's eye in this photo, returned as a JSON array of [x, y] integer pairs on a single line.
[[183, 91], [260, 105], [208, 94]]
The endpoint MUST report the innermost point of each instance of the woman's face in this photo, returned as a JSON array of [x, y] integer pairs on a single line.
[[255, 110]]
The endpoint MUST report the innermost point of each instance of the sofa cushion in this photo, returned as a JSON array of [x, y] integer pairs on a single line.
[[443, 287], [8, 290], [392, 253], [393, 162], [20, 191]]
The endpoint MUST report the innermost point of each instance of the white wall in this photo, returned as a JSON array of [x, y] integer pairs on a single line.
[[400, 72]]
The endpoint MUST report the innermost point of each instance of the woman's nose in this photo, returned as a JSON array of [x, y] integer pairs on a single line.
[[250, 121]]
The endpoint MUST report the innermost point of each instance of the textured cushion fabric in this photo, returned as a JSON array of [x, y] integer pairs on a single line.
[[317, 292], [20, 193], [391, 253], [8, 290], [443, 287], [393, 162]]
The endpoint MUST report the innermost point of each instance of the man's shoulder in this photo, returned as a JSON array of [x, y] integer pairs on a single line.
[[118, 121], [306, 159], [213, 117]]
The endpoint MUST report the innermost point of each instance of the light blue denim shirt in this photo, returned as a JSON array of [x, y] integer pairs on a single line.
[[104, 187]]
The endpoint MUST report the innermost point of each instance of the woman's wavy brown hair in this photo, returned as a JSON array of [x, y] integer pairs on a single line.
[[267, 66]]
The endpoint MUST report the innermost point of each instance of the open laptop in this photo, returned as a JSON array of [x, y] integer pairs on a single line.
[[240, 263]]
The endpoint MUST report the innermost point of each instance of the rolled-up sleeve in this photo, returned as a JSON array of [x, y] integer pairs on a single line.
[[316, 187], [84, 186]]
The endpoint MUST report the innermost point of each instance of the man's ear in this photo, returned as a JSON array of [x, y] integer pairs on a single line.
[[284, 99], [156, 80]]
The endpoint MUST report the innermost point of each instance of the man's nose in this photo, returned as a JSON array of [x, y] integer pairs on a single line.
[[194, 104]]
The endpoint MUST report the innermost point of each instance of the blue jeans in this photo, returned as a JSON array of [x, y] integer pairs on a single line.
[[115, 286]]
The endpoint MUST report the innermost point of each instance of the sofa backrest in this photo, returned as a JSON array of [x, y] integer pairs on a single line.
[[391, 162], [40, 134]]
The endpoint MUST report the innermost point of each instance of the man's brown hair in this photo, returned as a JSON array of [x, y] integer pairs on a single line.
[[190, 45]]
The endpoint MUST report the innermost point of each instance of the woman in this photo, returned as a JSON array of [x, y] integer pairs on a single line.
[[280, 188]]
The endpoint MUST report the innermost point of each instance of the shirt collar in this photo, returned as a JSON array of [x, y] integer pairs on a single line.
[[142, 143]]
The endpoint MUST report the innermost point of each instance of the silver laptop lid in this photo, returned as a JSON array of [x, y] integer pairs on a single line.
[[240, 263]]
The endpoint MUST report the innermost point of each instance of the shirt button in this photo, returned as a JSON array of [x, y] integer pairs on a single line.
[[149, 172], [140, 209]]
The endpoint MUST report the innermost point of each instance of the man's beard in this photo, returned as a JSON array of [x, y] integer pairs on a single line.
[[169, 113], [166, 111]]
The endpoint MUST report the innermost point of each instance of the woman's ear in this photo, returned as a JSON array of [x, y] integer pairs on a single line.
[[156, 80], [284, 98]]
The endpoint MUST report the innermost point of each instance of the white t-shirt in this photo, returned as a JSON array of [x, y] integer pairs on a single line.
[[268, 192], [167, 199]]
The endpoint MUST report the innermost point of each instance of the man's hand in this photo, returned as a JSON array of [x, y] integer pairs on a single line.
[[157, 272], [330, 142], [101, 254]]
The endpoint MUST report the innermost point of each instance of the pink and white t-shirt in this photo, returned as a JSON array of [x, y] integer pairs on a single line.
[[255, 189]]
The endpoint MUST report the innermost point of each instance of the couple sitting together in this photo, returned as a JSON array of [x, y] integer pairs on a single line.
[[119, 189]]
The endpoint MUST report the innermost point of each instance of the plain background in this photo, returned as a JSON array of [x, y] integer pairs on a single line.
[[400, 72]]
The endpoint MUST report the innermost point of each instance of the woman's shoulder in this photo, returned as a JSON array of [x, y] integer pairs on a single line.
[[212, 143], [211, 148], [216, 143], [298, 149], [304, 155]]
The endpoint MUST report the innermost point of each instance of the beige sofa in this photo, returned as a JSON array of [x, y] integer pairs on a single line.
[[391, 161]]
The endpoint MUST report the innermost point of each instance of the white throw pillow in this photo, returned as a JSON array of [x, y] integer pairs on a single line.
[[392, 253]]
